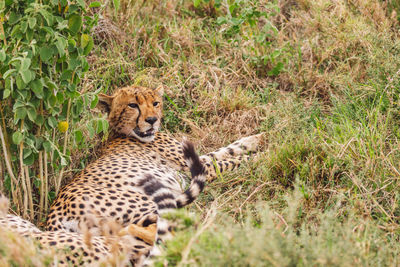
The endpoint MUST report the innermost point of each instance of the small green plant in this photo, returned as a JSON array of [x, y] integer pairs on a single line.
[[43, 52], [249, 20], [249, 24]]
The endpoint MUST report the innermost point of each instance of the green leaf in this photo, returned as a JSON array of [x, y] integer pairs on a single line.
[[31, 114], [60, 97], [47, 146], [32, 22], [62, 25], [51, 85], [52, 100], [37, 88], [63, 161], [13, 18], [20, 82], [71, 42], [45, 53], [75, 23], [81, 3], [9, 84], [196, 3], [18, 104], [48, 30], [3, 55], [24, 26], [26, 76], [94, 102], [95, 4], [85, 39], [20, 113], [78, 136], [52, 122], [99, 127], [72, 8], [88, 47], [25, 63], [90, 130], [30, 141], [16, 32], [8, 73], [17, 137], [66, 75], [6, 93], [39, 119], [27, 152], [29, 160], [74, 63], [38, 142], [61, 44], [276, 70], [47, 16], [105, 125], [23, 93]]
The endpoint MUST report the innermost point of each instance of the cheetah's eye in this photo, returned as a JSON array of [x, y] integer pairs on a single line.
[[156, 104], [133, 105]]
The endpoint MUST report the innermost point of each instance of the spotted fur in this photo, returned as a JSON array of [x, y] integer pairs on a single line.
[[122, 247], [138, 177]]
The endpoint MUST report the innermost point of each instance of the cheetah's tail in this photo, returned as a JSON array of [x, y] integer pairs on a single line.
[[198, 176]]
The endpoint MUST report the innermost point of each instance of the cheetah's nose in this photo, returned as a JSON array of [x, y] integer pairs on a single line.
[[151, 120]]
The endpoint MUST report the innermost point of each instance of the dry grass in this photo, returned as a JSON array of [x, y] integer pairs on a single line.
[[330, 118]]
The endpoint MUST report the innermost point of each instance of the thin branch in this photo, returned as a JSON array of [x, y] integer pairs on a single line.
[[46, 182], [22, 175], [41, 200], [58, 181], [7, 159]]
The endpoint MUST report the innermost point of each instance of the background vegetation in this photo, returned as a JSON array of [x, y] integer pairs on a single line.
[[321, 78]]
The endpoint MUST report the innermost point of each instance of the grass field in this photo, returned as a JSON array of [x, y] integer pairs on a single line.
[[320, 77]]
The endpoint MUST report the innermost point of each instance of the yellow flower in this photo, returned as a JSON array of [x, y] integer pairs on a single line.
[[63, 126]]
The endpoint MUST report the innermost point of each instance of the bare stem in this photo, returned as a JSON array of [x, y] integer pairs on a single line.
[[29, 190], [22, 175], [41, 200], [7, 160], [46, 183], [1, 176], [2, 29], [58, 182]]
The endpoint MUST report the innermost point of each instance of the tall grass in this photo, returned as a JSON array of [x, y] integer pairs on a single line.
[[288, 237]]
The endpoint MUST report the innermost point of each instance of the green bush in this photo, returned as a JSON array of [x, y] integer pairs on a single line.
[[43, 52]]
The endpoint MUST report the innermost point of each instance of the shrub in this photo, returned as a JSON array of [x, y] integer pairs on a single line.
[[43, 60]]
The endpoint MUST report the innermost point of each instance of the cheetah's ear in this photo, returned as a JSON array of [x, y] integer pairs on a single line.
[[159, 90], [105, 103]]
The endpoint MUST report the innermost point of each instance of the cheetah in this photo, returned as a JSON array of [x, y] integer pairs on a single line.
[[138, 176], [76, 248]]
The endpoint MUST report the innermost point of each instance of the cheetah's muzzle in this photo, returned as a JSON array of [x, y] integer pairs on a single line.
[[147, 133]]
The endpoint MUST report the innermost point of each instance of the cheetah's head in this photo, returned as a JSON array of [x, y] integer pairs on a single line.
[[134, 111]]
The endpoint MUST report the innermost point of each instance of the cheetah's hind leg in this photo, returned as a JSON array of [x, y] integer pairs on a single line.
[[242, 146], [215, 168], [230, 157]]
